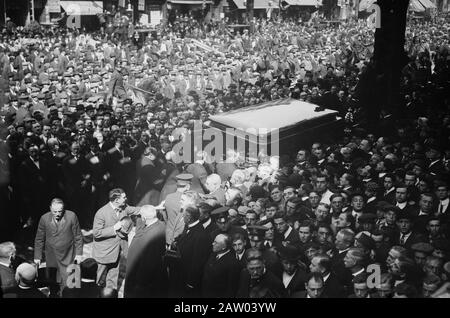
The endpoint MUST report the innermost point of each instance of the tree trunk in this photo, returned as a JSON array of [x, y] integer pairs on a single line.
[[389, 54]]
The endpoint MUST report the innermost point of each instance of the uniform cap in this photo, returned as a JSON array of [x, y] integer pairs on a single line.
[[220, 214], [184, 178]]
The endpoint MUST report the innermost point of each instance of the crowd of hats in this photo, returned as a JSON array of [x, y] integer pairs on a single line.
[[420, 140]]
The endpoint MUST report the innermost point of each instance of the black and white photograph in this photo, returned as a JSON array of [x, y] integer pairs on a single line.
[[224, 155]]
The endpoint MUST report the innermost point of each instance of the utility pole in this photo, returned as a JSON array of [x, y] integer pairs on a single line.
[[250, 13], [32, 10]]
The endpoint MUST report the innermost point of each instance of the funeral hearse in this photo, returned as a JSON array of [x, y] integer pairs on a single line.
[[276, 127]]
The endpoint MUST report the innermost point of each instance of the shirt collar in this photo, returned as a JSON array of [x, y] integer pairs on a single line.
[[343, 251], [288, 231], [193, 224], [151, 222], [358, 272], [222, 254], [4, 264], [205, 225], [402, 205], [390, 190], [445, 201], [325, 278]]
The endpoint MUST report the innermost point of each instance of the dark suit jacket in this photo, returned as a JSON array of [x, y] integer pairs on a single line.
[[17, 292], [269, 286], [412, 239], [146, 275], [37, 186], [7, 279], [390, 197], [87, 290], [371, 207], [211, 228], [297, 283], [194, 249], [437, 168], [221, 276], [333, 288], [61, 243], [292, 239]]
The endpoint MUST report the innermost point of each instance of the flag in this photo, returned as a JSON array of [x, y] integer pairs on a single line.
[[122, 3]]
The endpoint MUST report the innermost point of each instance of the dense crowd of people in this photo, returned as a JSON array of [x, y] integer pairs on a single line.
[[87, 124]]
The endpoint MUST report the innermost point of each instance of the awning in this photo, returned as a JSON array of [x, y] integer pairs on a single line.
[[364, 4], [82, 7], [303, 2], [259, 4], [428, 4], [199, 2], [415, 6]]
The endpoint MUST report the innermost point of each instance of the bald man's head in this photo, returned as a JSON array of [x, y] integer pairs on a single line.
[[25, 274], [221, 243], [213, 182], [148, 213]]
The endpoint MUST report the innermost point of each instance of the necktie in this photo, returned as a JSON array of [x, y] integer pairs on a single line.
[[441, 208], [402, 239]]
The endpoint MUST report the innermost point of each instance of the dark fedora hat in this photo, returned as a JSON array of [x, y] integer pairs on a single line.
[[289, 253]]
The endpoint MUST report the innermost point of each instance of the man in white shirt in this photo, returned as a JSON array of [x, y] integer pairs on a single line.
[[442, 194], [238, 245], [322, 188], [401, 196], [293, 277]]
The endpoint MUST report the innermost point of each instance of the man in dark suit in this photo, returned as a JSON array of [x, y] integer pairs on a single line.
[[146, 275], [239, 243], [194, 249], [344, 241], [121, 166], [314, 287], [205, 218], [149, 179], [371, 194], [77, 184], [284, 234], [406, 237], [37, 185], [436, 166], [258, 282], [422, 213], [222, 270], [332, 287], [257, 234], [173, 207], [389, 189], [442, 206], [59, 236], [293, 277], [26, 277], [100, 177], [108, 243], [7, 279]]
